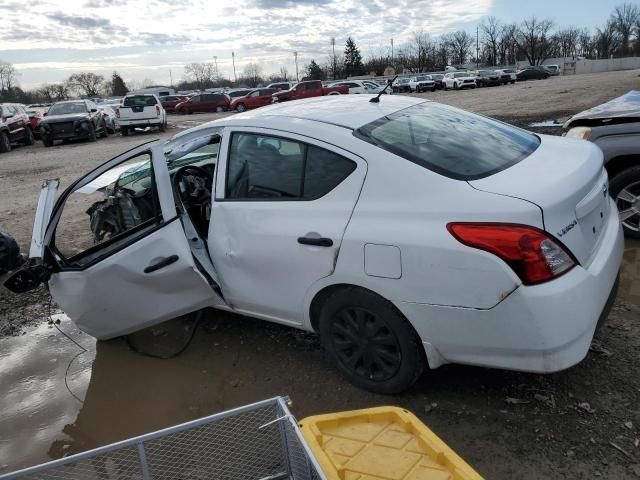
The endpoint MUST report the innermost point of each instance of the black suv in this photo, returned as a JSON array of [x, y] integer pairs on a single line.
[[530, 73], [14, 126], [72, 119]]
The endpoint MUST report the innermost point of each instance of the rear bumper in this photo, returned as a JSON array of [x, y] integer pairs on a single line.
[[543, 328], [140, 123]]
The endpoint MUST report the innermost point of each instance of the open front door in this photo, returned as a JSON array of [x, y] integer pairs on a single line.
[[120, 256]]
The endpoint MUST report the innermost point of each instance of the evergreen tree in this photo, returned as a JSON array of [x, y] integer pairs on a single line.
[[314, 71], [118, 87], [352, 59]]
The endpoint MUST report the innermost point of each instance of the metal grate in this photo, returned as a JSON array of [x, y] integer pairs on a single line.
[[256, 442]]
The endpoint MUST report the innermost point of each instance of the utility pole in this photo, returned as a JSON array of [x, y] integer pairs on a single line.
[[334, 62], [392, 51], [171, 77], [477, 46], [215, 59], [233, 59], [295, 55]]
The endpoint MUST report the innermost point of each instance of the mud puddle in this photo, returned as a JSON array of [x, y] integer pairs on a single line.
[[233, 360]]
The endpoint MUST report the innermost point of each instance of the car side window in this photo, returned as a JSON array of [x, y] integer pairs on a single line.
[[255, 94], [119, 205], [195, 99], [272, 168]]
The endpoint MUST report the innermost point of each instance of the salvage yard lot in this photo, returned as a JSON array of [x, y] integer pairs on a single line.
[[581, 423]]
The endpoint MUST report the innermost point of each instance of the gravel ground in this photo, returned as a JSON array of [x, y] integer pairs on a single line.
[[581, 423]]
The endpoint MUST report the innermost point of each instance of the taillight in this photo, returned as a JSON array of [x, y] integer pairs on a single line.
[[157, 110], [117, 113], [534, 255]]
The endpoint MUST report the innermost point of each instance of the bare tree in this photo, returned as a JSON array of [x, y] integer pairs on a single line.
[[460, 44], [252, 74], [443, 51], [491, 33], [203, 74], [284, 74], [534, 39], [508, 45], [625, 17], [86, 83], [587, 43], [607, 40], [566, 42], [8, 76]]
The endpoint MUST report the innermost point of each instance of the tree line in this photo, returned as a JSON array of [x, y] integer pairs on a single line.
[[496, 43]]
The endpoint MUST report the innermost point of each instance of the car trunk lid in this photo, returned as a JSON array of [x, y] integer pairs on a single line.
[[566, 179]]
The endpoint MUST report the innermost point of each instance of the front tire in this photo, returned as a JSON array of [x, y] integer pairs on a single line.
[[92, 137], [455, 86], [624, 187], [105, 132], [5, 144], [29, 139], [124, 131], [370, 341], [240, 107], [219, 109]]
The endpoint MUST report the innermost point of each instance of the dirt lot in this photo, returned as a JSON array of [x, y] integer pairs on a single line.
[[581, 423]]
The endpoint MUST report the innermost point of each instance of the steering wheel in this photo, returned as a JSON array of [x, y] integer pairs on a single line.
[[194, 186]]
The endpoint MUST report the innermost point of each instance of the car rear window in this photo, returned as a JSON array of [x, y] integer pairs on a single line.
[[140, 101], [450, 141]]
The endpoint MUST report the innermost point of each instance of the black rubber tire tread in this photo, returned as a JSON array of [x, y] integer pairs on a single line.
[[617, 183], [92, 137], [29, 139], [104, 133], [5, 144], [124, 131], [414, 361]]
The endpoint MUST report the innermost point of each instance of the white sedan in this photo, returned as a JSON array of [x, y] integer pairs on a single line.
[[407, 233]]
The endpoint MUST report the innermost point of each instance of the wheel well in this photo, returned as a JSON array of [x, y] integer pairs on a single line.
[[618, 164]]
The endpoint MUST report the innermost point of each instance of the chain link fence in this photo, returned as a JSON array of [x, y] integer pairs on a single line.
[[255, 442]]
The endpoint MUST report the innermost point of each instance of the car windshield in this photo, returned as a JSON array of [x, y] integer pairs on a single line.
[[450, 141], [423, 78], [460, 75], [437, 77], [486, 72], [140, 101], [67, 108], [508, 71]]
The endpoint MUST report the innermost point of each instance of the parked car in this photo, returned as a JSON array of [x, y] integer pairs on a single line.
[[438, 78], [459, 80], [487, 78], [170, 101], [554, 70], [204, 102], [142, 110], [507, 75], [110, 117], [327, 215], [532, 73], [614, 126], [72, 120], [15, 126], [360, 86], [308, 89], [422, 83], [401, 85], [282, 85], [254, 99], [239, 92], [36, 114]]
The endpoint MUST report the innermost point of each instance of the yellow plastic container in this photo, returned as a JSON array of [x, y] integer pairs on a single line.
[[384, 443]]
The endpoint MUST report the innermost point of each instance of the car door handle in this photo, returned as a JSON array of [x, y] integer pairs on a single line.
[[165, 262], [316, 241]]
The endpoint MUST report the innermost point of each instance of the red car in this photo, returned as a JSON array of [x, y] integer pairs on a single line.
[[169, 102], [254, 99], [204, 102], [308, 89], [36, 114]]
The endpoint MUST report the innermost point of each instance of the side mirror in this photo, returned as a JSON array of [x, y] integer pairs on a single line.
[[94, 110], [44, 114]]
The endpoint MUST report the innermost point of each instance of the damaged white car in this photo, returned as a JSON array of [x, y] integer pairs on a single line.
[[408, 234]]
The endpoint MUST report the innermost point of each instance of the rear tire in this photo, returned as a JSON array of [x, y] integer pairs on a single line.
[[125, 131], [622, 181], [105, 132], [370, 341], [29, 139], [455, 86], [433, 89], [163, 127], [47, 143], [240, 107], [5, 144], [219, 109]]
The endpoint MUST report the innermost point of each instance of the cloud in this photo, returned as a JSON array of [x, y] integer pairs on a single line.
[[147, 39]]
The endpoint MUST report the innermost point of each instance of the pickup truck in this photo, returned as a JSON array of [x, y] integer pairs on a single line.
[[311, 88], [141, 111], [614, 126]]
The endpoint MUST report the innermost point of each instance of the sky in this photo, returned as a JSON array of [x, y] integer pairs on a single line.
[[48, 40]]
